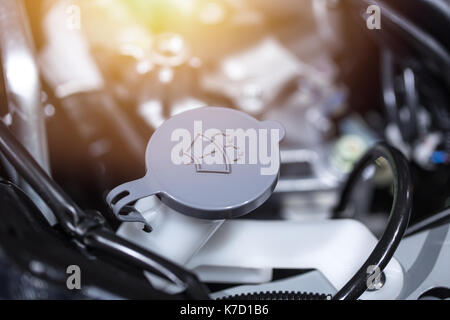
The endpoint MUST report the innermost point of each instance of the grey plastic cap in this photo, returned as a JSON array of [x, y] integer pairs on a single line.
[[215, 191]]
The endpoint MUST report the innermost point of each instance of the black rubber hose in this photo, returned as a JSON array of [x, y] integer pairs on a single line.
[[398, 219], [87, 228], [65, 209], [111, 244], [430, 222]]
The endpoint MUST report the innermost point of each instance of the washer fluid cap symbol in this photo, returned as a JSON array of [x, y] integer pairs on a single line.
[[210, 163]]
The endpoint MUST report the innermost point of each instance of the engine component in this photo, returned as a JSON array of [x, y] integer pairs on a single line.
[[204, 166], [193, 180]]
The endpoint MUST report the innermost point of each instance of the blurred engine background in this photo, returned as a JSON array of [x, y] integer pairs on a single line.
[[114, 70]]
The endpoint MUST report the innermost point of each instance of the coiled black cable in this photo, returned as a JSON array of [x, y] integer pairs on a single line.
[[389, 241], [398, 219]]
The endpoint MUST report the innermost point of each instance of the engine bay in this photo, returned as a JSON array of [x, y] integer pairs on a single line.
[[93, 94]]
